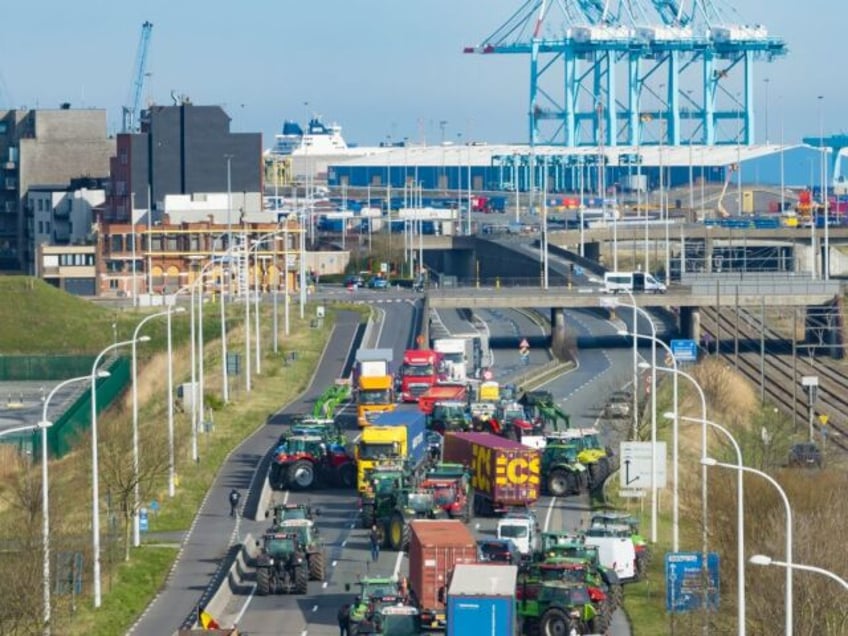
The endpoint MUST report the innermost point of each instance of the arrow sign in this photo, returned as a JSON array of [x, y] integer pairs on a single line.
[[627, 480]]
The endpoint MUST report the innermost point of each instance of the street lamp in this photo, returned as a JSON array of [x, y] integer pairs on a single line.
[[762, 559], [654, 340], [709, 461], [95, 483], [171, 469], [136, 486], [740, 514], [44, 424]]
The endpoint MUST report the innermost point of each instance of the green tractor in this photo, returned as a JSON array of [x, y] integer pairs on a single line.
[[286, 512], [384, 482], [307, 535], [281, 566], [590, 452], [559, 607], [562, 545], [540, 406], [617, 519], [382, 607], [562, 473], [394, 523], [574, 571], [449, 416]]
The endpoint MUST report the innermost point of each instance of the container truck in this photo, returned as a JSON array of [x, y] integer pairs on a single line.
[[454, 352], [374, 383], [504, 473], [435, 547], [481, 600], [421, 369], [392, 437]]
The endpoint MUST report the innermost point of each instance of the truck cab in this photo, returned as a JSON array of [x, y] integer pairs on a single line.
[[378, 444], [420, 370], [522, 528]]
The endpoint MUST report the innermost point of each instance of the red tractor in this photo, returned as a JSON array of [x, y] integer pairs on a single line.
[[507, 420], [448, 483], [301, 462]]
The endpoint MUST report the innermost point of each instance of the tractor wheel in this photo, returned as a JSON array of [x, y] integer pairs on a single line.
[[316, 566], [263, 581], [605, 465], [276, 477], [558, 483], [555, 622], [301, 475], [596, 475], [397, 532], [301, 579], [347, 476]]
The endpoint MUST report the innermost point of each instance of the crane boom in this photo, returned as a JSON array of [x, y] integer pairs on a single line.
[[132, 110]]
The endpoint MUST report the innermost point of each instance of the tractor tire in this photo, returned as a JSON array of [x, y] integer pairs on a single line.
[[558, 483], [277, 477], [367, 516], [555, 622], [346, 476], [263, 581], [606, 465], [316, 566], [397, 533], [596, 475], [302, 475], [301, 579]]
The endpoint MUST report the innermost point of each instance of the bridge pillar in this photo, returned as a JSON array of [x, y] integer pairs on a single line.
[[690, 323], [559, 340]]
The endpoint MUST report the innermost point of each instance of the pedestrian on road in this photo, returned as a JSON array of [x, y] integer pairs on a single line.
[[234, 502], [375, 543], [344, 618]]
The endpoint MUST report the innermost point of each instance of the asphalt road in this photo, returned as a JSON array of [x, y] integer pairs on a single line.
[[21, 403], [214, 532]]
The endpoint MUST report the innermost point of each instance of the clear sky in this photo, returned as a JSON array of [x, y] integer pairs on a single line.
[[381, 68]]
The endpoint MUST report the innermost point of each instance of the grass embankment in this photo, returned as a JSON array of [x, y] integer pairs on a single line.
[[129, 585]]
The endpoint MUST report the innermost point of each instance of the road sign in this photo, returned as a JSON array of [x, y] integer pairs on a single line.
[[635, 470], [142, 520], [685, 350], [684, 581], [233, 363], [823, 419], [631, 494]]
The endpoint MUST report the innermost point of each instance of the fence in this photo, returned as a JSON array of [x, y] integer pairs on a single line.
[[67, 429]]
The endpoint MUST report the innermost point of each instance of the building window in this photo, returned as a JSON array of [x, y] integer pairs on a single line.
[[41, 227], [113, 283], [124, 158]]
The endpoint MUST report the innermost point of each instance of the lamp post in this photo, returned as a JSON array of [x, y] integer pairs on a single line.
[[654, 340], [675, 496], [740, 515], [709, 461], [95, 483], [762, 559], [171, 468], [136, 486], [43, 425]]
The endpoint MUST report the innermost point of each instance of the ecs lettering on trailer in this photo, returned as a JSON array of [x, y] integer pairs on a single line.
[[517, 471]]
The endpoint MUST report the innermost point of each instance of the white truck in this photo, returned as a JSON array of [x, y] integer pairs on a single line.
[[522, 528], [454, 352], [635, 282]]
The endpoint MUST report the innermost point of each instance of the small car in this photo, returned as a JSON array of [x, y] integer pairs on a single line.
[[354, 281], [498, 551], [378, 282], [805, 454]]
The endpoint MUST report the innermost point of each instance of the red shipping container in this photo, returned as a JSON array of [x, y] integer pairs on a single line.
[[435, 546]]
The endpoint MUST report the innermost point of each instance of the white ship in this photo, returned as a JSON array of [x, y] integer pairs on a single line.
[[319, 139]]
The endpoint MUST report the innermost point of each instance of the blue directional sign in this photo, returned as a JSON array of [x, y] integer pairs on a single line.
[[684, 581], [143, 524], [685, 350]]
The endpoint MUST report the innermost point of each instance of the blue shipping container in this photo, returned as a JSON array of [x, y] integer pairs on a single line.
[[492, 615]]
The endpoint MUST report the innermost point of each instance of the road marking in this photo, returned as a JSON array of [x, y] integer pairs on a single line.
[[246, 603], [303, 633], [344, 543], [335, 562], [286, 497], [324, 585], [550, 510], [397, 564], [314, 608]]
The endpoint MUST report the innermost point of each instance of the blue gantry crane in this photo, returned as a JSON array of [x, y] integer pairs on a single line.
[[687, 67], [132, 110]]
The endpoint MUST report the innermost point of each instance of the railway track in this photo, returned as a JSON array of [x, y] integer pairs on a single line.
[[779, 372]]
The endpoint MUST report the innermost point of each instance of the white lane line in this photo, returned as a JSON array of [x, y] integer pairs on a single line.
[[303, 633], [314, 608], [344, 543], [324, 585], [244, 607], [550, 510], [336, 562], [286, 497], [397, 564]]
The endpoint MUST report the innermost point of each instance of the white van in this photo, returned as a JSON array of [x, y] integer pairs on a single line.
[[617, 553], [522, 529], [615, 282]]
